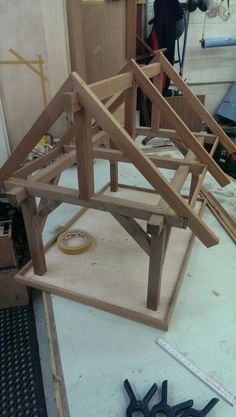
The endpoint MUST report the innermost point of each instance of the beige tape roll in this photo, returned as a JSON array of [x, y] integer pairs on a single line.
[[74, 242]]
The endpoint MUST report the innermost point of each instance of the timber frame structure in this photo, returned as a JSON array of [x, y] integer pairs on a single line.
[[97, 134]]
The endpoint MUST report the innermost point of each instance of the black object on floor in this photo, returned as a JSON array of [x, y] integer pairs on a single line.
[[135, 405], [21, 388], [163, 408]]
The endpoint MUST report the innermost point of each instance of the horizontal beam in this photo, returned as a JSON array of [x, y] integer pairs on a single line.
[[159, 161], [125, 207], [39, 163], [172, 134], [52, 170]]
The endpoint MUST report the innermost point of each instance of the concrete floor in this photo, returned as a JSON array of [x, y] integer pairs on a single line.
[[99, 350]]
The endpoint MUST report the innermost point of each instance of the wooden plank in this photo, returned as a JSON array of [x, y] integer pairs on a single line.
[[172, 134], [155, 269], [102, 202], [186, 113], [156, 115], [129, 277], [196, 104], [228, 223], [131, 28], [83, 140], [76, 37], [114, 174], [141, 161], [52, 170], [39, 163], [135, 231], [186, 135], [40, 127], [113, 85], [105, 52], [34, 236], [130, 110], [159, 161], [16, 195]]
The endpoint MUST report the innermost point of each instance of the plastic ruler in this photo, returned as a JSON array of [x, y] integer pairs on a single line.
[[196, 371]]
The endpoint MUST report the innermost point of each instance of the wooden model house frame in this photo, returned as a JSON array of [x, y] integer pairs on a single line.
[[94, 125]]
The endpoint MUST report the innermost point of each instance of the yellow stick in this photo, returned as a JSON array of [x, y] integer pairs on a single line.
[[42, 79], [26, 63]]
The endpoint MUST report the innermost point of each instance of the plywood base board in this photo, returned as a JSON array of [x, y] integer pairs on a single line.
[[112, 275]]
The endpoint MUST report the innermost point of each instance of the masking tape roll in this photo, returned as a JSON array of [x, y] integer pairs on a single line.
[[74, 242]]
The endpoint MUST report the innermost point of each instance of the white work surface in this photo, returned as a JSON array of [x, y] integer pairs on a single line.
[[100, 350]]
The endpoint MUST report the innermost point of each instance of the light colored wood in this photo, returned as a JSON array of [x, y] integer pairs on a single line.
[[143, 163], [16, 195], [96, 286], [228, 223], [189, 116], [83, 140], [114, 174], [186, 135], [34, 236], [51, 171], [71, 102], [156, 115], [159, 161], [40, 127], [110, 203], [105, 38], [111, 86], [172, 134], [155, 269], [196, 104], [135, 231], [76, 37], [131, 28], [130, 110], [39, 163]]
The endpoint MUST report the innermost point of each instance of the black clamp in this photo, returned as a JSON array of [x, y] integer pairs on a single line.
[[163, 408], [200, 413], [139, 405]]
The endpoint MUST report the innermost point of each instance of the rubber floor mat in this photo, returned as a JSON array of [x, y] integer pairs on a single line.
[[21, 388]]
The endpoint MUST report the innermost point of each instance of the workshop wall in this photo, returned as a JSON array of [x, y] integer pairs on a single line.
[[30, 27], [209, 71]]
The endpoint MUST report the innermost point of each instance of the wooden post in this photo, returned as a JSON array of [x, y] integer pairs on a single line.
[[114, 174], [34, 235], [156, 115], [130, 110], [131, 28], [158, 249], [84, 152]]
